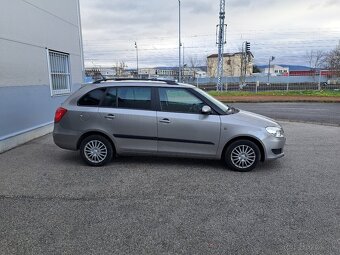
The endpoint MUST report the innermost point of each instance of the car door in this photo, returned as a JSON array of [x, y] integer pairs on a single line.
[[126, 112], [182, 128]]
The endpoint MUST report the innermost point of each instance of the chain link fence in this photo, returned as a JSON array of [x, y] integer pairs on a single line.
[[273, 83]]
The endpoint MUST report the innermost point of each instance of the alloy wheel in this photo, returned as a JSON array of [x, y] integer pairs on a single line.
[[243, 156], [95, 151]]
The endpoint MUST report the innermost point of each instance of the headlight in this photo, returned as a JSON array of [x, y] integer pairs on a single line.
[[275, 131]]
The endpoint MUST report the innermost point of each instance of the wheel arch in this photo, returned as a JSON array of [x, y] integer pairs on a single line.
[[249, 138], [95, 132]]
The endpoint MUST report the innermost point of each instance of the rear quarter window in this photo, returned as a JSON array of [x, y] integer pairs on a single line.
[[92, 98]]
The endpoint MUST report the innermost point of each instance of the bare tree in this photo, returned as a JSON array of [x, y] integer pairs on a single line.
[[315, 58], [332, 61], [195, 62], [205, 60], [120, 68]]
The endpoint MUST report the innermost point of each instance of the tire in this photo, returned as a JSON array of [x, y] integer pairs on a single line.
[[242, 156], [96, 150]]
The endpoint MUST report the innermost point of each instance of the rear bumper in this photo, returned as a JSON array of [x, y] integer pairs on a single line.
[[68, 141]]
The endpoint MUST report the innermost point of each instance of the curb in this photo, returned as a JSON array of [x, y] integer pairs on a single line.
[[309, 122], [279, 101]]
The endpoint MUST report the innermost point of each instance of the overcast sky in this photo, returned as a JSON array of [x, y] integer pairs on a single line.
[[284, 29]]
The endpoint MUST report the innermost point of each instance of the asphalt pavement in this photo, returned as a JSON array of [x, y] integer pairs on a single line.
[[51, 203], [322, 113]]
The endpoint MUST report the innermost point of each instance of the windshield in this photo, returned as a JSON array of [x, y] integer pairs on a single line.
[[223, 107]]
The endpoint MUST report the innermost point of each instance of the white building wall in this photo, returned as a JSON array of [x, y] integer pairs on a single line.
[[27, 29], [277, 70]]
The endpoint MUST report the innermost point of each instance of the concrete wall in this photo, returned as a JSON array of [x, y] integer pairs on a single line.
[[27, 29]]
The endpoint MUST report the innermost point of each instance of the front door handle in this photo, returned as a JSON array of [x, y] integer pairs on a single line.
[[165, 121], [109, 117]]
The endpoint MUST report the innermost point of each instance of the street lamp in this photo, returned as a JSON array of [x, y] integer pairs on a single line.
[[270, 60], [136, 56], [179, 42]]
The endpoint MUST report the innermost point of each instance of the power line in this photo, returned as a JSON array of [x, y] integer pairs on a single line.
[[243, 32]]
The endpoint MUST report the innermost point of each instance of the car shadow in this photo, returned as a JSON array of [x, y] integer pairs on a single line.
[[167, 161], [72, 158]]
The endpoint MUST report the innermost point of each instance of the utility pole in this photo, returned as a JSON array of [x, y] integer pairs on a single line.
[[244, 62], [137, 58], [319, 84], [179, 42], [242, 65], [183, 65], [183, 55], [270, 60], [220, 42], [247, 55]]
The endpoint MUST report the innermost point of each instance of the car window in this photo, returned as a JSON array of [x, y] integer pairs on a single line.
[[179, 100], [92, 98], [222, 106], [110, 99], [134, 98]]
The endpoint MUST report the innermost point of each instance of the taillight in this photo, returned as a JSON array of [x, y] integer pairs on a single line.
[[59, 114]]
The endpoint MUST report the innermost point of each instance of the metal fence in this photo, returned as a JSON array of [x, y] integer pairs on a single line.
[[260, 83]]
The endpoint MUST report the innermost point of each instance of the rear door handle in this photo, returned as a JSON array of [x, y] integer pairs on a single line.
[[165, 121], [110, 117]]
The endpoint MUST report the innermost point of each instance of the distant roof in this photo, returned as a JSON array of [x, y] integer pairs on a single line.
[[204, 68], [166, 68], [297, 67], [291, 67], [227, 55]]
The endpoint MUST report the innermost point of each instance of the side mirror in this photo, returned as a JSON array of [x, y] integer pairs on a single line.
[[206, 109]]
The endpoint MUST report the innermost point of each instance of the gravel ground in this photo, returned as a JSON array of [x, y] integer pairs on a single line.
[[51, 203]]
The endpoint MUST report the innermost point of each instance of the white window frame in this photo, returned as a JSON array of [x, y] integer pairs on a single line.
[[59, 88]]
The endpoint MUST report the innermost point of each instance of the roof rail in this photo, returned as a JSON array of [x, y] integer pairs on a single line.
[[170, 82]]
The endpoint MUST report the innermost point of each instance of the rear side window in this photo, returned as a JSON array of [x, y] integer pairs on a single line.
[[92, 98], [134, 98], [110, 99]]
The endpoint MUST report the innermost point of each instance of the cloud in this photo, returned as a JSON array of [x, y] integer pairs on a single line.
[[239, 3], [110, 28], [199, 6]]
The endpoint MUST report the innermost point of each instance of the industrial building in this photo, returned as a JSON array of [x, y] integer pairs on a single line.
[[234, 64]]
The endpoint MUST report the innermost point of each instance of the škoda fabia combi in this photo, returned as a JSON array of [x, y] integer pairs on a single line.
[[163, 118]]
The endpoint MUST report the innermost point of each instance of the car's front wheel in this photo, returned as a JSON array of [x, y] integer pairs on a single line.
[[242, 156], [96, 150]]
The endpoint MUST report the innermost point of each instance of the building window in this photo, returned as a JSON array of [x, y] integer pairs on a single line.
[[59, 68]]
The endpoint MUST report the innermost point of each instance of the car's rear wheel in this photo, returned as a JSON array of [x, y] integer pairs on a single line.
[[96, 150], [242, 156]]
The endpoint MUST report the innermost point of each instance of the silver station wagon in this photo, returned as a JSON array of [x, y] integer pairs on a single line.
[[163, 118]]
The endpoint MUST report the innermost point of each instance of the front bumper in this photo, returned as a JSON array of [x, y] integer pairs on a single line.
[[274, 147]]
